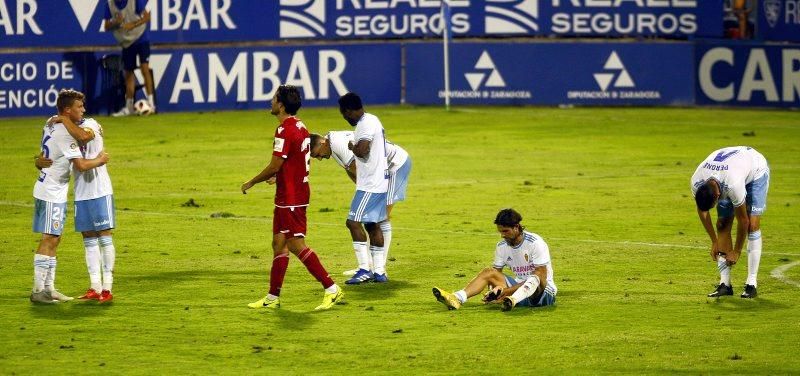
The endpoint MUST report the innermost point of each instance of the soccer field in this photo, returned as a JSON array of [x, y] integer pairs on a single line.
[[608, 189]]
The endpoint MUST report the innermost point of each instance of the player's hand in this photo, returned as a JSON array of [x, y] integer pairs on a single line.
[[42, 162], [104, 157], [715, 252], [128, 26], [272, 180], [350, 145], [54, 119], [493, 296], [732, 257], [247, 185]]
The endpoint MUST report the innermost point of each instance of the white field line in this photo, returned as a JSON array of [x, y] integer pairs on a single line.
[[777, 273]]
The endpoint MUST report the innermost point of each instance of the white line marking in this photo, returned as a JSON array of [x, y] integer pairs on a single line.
[[777, 273]]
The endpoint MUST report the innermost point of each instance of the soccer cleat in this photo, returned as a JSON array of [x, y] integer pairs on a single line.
[[123, 112], [42, 297], [508, 304], [91, 294], [266, 303], [721, 290], [361, 276], [446, 298], [329, 300], [750, 292], [59, 296], [105, 296], [380, 278]]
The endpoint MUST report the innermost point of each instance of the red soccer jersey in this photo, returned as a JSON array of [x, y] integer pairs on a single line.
[[292, 144]]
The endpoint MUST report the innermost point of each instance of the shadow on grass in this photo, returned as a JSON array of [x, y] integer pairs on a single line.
[[69, 310], [194, 274], [367, 292], [735, 303]]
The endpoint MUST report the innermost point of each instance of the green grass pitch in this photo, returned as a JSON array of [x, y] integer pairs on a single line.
[[608, 189]]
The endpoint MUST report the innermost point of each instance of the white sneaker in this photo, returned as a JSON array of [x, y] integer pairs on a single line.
[[123, 112], [59, 296]]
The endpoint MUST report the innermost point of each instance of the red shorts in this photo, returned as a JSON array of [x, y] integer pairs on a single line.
[[289, 221]]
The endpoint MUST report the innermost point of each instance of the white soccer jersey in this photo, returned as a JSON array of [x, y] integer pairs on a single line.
[[53, 182], [523, 259], [372, 171], [96, 182], [733, 168], [338, 141]]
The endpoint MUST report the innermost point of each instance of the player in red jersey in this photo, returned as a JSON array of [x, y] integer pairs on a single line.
[[289, 169]]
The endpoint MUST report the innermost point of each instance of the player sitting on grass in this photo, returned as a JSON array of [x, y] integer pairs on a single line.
[[527, 255]]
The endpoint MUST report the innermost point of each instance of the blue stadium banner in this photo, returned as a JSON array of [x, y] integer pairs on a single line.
[[553, 73], [29, 83], [25, 23], [43, 23], [211, 78], [779, 20], [748, 75]]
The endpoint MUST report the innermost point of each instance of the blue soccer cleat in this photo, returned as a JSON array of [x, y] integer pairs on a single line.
[[361, 276], [380, 278]]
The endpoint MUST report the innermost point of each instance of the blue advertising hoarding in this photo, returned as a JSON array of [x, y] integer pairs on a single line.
[[38, 23], [748, 75], [779, 20], [553, 73], [212, 78]]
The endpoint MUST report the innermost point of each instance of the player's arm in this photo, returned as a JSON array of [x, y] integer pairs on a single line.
[[40, 161], [705, 219], [539, 273], [268, 172], [143, 19], [743, 225], [351, 171], [361, 148], [82, 135], [83, 164], [112, 23]]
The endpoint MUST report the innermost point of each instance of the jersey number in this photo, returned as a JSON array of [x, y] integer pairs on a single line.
[[304, 148], [46, 152]]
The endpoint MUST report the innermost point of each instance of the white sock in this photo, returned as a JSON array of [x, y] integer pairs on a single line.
[[151, 100], [271, 297], [753, 257], [50, 279], [332, 289], [92, 247], [386, 229], [378, 259], [129, 104], [362, 255], [461, 295], [109, 257], [527, 289], [724, 271], [41, 265]]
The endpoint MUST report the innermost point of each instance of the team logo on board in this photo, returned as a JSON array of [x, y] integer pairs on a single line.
[[302, 18], [511, 17]]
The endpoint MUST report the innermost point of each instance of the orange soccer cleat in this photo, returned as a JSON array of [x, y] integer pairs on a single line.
[[90, 294], [105, 296]]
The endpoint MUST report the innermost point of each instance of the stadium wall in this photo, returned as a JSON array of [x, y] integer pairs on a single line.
[[225, 54]]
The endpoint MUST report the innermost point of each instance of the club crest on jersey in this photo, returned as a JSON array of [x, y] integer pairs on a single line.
[[280, 129], [278, 144], [56, 225]]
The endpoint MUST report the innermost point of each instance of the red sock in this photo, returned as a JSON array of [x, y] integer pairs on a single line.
[[279, 265], [311, 261]]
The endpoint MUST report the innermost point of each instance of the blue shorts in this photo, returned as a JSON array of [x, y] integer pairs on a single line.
[[547, 298], [95, 215], [140, 49], [756, 198], [49, 217], [398, 182], [368, 207]]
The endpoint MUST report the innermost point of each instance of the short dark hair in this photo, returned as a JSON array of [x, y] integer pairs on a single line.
[[289, 96], [315, 139], [350, 101], [704, 197], [67, 97], [508, 218]]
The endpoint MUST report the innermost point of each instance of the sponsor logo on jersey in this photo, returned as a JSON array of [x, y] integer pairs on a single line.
[[278, 144]]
